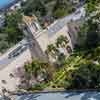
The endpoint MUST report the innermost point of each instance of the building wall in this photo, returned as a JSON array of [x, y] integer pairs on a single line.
[[74, 29], [43, 40], [37, 51], [64, 31]]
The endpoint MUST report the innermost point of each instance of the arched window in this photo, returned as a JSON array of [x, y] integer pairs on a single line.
[[11, 75], [69, 50], [3, 81], [34, 27]]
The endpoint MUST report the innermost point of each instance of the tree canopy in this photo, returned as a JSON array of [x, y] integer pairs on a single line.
[[11, 33]]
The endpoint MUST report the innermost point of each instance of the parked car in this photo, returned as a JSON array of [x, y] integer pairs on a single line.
[[17, 51]]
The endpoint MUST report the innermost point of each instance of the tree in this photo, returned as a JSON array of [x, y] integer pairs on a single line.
[[51, 48], [62, 8], [13, 19], [62, 41], [11, 33], [83, 74], [59, 13], [37, 67], [37, 7], [93, 35], [3, 46], [91, 6], [52, 51], [91, 29]]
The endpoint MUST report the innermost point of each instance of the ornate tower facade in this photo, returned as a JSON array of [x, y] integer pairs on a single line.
[[32, 31]]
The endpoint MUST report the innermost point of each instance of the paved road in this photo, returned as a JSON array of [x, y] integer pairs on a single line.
[[61, 96], [5, 60], [60, 23]]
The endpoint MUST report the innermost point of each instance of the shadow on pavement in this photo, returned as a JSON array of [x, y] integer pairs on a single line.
[[84, 95]]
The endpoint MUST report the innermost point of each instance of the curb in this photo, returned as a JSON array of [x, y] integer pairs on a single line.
[[55, 91]]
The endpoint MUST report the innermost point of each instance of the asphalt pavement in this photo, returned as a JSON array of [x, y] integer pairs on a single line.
[[61, 96]]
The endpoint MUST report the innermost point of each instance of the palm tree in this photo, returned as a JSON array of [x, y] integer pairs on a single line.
[[61, 44], [62, 41], [47, 69], [52, 50], [39, 68]]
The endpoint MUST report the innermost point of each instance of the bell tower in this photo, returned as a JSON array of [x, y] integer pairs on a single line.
[[32, 25], [32, 30]]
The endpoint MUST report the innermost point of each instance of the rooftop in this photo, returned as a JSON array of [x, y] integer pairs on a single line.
[[29, 19]]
